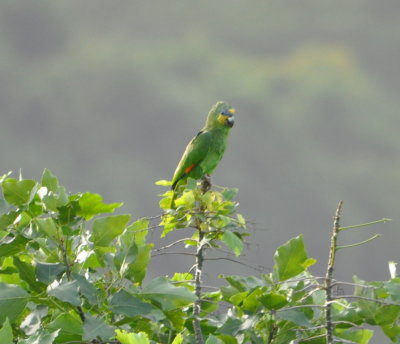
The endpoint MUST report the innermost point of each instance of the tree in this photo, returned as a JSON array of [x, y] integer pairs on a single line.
[[72, 273]]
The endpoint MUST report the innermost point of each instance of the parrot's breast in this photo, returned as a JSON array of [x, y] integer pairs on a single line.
[[214, 155]]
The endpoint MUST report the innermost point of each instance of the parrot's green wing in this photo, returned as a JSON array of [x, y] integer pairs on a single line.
[[190, 164]]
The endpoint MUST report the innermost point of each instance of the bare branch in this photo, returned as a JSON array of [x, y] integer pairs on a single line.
[[364, 298], [235, 261], [329, 275], [183, 253], [384, 220], [172, 244]]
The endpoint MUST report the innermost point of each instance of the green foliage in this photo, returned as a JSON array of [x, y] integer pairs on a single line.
[[291, 259], [70, 272], [6, 335]]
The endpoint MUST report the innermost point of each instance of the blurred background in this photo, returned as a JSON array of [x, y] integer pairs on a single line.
[[106, 94]]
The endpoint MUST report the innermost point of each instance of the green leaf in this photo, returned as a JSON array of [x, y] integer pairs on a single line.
[[227, 339], [392, 331], [163, 182], [386, 315], [165, 202], [134, 255], [230, 194], [231, 240], [238, 298], [178, 339], [392, 287], [291, 259], [297, 316], [273, 301], [132, 338], [191, 184], [18, 192], [87, 289], [42, 337], [213, 340], [187, 199], [182, 277], [12, 246], [92, 204], [22, 221], [13, 300], [27, 273], [124, 303], [241, 220], [367, 309], [95, 328], [138, 268], [68, 211], [356, 336], [167, 295], [8, 219], [231, 326], [49, 180], [48, 272], [252, 303], [70, 327], [67, 292], [6, 335], [108, 228], [140, 228], [48, 227]]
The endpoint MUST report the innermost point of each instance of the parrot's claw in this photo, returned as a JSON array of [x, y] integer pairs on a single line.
[[206, 183]]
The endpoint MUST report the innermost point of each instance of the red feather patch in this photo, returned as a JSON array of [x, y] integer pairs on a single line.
[[189, 168]]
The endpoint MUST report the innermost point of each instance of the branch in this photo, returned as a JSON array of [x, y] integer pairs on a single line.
[[353, 284], [183, 253], [172, 244], [329, 275], [67, 264], [364, 298], [205, 186], [312, 338], [359, 243], [299, 306], [365, 224], [197, 303], [235, 261]]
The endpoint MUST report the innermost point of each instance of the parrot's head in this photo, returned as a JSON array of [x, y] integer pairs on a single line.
[[221, 115]]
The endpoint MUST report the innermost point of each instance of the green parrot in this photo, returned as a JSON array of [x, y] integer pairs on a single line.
[[205, 150]]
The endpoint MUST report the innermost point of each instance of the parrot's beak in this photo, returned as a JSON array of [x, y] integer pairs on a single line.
[[230, 121], [227, 118]]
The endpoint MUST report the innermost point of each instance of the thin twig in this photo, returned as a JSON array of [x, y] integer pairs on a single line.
[[384, 220], [314, 337], [183, 253], [235, 261], [353, 284], [359, 243], [364, 298], [172, 244], [299, 307]]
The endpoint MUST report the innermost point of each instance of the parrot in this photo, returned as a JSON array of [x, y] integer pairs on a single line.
[[205, 150]]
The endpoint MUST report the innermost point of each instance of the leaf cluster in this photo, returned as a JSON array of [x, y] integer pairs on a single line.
[[71, 272]]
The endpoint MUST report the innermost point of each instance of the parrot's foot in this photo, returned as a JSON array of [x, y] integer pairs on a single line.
[[206, 183]]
